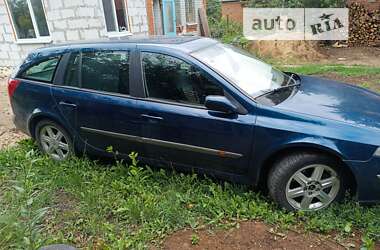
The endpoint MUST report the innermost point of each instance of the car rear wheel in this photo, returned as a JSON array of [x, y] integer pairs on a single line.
[[53, 140], [306, 181]]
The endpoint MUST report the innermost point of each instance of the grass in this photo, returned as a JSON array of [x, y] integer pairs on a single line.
[[363, 76], [340, 70], [119, 205]]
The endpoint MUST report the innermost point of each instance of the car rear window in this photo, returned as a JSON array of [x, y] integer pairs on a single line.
[[42, 71]]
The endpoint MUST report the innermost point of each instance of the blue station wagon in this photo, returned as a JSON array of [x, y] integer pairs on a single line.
[[199, 105]]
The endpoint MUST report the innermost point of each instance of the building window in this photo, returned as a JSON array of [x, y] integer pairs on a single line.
[[115, 12], [28, 19], [190, 11]]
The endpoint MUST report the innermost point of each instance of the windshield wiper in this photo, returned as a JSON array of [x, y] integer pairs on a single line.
[[279, 89], [290, 78]]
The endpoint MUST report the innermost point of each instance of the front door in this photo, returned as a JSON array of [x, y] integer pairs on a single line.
[[178, 128], [168, 13], [94, 99]]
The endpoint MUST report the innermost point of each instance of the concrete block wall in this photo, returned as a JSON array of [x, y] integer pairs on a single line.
[[68, 20]]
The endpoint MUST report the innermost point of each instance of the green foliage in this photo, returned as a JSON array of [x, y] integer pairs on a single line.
[[194, 239], [295, 3], [368, 244], [223, 29], [214, 11], [123, 205], [338, 69], [229, 32]]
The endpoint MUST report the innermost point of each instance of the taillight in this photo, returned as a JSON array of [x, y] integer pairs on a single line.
[[12, 86]]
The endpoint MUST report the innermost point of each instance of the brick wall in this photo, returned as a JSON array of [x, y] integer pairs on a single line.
[[68, 20], [233, 11], [368, 4], [149, 12]]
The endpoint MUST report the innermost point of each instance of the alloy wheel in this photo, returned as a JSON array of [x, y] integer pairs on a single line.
[[54, 142], [312, 187]]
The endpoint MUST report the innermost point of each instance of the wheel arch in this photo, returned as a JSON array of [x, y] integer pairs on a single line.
[[38, 116], [269, 161]]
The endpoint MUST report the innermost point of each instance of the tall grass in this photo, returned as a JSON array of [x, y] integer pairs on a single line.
[[118, 205]]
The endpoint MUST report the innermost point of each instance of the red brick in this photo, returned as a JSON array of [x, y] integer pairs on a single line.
[[233, 11]]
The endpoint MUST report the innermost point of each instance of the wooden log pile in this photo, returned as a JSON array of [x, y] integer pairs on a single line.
[[364, 26]]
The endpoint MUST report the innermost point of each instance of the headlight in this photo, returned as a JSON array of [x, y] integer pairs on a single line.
[[377, 152]]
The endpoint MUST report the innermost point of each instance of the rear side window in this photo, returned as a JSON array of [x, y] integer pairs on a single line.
[[99, 70], [106, 71], [42, 71], [72, 71]]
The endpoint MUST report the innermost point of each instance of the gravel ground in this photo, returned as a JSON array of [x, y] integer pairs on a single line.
[[8, 133]]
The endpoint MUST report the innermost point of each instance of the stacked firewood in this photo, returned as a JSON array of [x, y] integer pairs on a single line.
[[364, 26]]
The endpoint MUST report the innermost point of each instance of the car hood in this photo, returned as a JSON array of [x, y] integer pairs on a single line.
[[336, 101]]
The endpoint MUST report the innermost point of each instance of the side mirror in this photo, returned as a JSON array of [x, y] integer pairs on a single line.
[[221, 104]]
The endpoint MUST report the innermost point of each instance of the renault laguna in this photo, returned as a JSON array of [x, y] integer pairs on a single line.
[[200, 105]]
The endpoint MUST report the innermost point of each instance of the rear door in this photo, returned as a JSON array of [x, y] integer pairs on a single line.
[[94, 98]]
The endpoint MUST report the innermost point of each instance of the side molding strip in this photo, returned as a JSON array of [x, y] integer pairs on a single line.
[[167, 144]]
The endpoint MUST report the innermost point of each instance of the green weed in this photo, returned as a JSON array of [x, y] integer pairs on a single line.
[[124, 205], [341, 70]]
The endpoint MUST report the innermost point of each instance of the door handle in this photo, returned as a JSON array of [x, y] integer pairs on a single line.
[[151, 117], [68, 104]]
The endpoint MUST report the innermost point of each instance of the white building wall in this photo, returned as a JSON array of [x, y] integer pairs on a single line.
[[68, 20]]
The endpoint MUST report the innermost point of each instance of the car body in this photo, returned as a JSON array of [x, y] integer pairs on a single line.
[[231, 135]]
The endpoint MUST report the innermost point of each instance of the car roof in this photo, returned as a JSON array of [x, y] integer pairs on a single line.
[[186, 44]]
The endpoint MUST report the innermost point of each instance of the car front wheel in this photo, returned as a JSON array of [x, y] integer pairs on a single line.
[[53, 140], [306, 181]]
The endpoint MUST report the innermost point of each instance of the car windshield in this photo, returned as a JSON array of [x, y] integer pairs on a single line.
[[247, 72]]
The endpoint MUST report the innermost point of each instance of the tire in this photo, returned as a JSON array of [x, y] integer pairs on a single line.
[[306, 181], [53, 140]]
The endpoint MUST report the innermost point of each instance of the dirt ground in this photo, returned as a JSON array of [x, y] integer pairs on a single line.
[[352, 56], [254, 235], [8, 133], [301, 52]]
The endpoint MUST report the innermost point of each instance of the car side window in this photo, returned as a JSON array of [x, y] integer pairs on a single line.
[[101, 70], [42, 71], [172, 79], [105, 71], [72, 71]]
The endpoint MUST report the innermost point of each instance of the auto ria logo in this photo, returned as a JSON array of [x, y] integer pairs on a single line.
[[270, 24], [295, 23], [327, 24]]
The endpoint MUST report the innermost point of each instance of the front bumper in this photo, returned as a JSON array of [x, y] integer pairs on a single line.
[[367, 175]]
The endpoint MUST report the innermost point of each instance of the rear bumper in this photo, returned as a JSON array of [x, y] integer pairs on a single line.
[[20, 125], [367, 175]]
